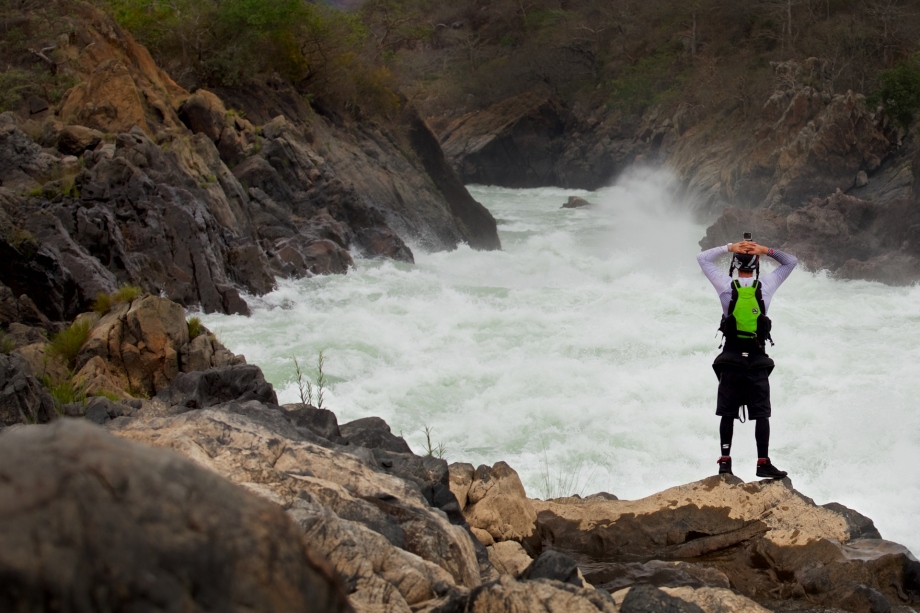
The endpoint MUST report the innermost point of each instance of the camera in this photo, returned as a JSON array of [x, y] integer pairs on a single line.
[[747, 236]]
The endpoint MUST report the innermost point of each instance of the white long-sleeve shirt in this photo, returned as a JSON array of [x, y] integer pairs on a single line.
[[720, 280]]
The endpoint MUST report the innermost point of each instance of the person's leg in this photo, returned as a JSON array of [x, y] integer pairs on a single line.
[[726, 430], [762, 436], [727, 408]]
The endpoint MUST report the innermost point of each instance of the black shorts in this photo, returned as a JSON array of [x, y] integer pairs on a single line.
[[744, 387]]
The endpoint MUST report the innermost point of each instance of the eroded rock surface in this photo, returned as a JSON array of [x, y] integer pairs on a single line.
[[823, 554], [90, 521]]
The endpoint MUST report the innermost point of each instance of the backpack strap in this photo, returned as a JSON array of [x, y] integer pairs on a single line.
[[764, 325], [734, 298]]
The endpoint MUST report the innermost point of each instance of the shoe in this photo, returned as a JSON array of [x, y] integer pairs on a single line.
[[766, 470], [725, 465]]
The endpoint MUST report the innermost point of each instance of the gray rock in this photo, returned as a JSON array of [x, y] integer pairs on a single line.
[[373, 433], [22, 398], [553, 565], [321, 422], [575, 202], [142, 529], [649, 599], [198, 390], [614, 577]]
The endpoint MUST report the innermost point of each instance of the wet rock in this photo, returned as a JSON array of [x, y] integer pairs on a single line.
[[22, 398], [575, 202], [373, 433], [74, 492], [199, 390]]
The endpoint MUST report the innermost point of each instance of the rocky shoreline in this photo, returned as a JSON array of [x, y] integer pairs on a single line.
[[131, 179], [199, 492]]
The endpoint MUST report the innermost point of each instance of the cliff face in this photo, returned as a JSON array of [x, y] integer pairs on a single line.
[[779, 173], [132, 180]]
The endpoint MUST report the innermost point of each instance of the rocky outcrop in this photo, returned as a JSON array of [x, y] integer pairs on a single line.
[[531, 141], [129, 181], [93, 522], [826, 555], [143, 345], [22, 398], [850, 237], [495, 504]]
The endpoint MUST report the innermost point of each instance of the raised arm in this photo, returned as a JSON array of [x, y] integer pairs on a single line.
[[787, 262], [707, 260]]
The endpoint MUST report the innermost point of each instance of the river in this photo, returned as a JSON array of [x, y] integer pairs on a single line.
[[580, 354]]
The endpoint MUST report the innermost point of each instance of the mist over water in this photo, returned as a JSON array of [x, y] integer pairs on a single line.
[[581, 355]]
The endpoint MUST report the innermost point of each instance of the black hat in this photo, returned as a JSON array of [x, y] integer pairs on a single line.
[[747, 262]]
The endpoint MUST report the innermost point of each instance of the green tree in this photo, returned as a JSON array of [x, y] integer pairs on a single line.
[[899, 91]]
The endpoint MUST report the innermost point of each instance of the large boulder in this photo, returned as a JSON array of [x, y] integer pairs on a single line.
[[89, 521], [828, 554], [142, 345], [379, 531], [854, 238], [373, 433], [498, 505], [201, 389]]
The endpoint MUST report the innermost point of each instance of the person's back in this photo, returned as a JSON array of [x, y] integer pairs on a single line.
[[743, 368]]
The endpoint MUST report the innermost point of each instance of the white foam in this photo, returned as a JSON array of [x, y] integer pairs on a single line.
[[582, 352]]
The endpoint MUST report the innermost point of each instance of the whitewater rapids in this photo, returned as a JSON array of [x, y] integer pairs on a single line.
[[580, 354]]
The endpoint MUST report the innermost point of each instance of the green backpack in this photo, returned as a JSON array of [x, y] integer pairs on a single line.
[[746, 317]]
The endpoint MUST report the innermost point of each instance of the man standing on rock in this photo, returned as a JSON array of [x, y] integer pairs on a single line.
[[743, 367]]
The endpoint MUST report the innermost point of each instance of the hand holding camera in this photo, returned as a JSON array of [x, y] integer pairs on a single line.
[[748, 246]]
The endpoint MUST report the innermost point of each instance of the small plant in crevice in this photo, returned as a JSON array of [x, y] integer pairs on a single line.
[[103, 303], [434, 450], [195, 328], [66, 344], [126, 293], [66, 391], [560, 483], [320, 379], [306, 388], [6, 343], [303, 386]]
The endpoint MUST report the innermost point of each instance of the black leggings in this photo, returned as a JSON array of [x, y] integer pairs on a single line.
[[761, 435]]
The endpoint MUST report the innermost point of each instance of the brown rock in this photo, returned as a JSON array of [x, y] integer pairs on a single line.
[[575, 202], [498, 504], [508, 595], [716, 600], [377, 530], [141, 342], [461, 478], [204, 113], [808, 549], [83, 509], [43, 364], [108, 101], [509, 558], [74, 140]]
